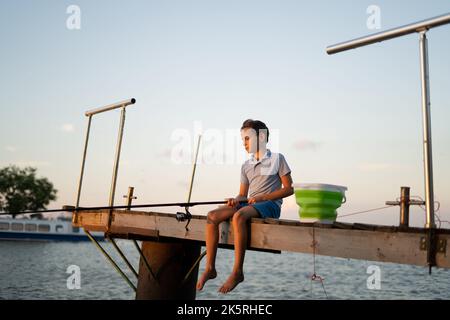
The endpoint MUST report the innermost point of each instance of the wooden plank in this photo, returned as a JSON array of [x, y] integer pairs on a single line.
[[94, 221], [367, 242]]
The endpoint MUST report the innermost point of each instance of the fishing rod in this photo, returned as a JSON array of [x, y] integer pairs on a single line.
[[68, 208], [182, 216]]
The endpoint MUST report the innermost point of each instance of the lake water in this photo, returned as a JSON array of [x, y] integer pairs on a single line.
[[38, 270]]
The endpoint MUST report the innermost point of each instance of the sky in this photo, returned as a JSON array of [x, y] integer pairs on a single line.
[[194, 66]]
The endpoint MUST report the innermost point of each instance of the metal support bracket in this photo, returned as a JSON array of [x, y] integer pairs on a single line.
[[441, 245], [423, 243]]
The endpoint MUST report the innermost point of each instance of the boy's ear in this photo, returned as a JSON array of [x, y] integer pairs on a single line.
[[263, 135]]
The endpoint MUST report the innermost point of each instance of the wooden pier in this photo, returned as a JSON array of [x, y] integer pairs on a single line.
[[171, 250]]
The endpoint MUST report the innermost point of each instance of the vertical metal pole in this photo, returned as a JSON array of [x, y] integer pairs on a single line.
[[80, 182], [404, 207], [130, 197], [427, 151], [116, 161], [193, 169], [113, 187]]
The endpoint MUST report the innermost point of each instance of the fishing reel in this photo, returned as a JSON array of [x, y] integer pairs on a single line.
[[183, 216]]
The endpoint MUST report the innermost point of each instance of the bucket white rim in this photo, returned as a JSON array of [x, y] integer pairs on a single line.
[[320, 186]]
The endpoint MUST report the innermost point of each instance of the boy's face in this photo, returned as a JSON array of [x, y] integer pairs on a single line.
[[249, 140]]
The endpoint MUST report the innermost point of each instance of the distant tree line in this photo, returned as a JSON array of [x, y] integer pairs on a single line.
[[21, 190]]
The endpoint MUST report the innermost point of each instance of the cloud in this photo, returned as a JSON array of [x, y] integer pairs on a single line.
[[304, 144], [68, 127], [11, 149]]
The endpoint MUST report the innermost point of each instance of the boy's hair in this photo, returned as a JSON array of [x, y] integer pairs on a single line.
[[256, 125]]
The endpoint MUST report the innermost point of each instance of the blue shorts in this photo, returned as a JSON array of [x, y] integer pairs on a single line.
[[266, 209]]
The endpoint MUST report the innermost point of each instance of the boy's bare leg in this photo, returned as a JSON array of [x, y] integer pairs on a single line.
[[240, 243], [215, 217]]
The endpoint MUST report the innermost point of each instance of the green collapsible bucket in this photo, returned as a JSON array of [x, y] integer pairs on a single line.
[[318, 202]]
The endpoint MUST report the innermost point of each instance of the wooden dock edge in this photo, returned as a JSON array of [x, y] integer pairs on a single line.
[[355, 241]]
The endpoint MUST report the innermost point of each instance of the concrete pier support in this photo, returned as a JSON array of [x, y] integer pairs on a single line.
[[170, 262]]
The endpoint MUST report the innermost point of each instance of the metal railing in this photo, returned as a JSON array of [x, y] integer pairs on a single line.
[[420, 27], [110, 107], [89, 114]]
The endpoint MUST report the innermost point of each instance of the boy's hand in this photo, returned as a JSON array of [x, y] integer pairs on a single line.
[[255, 199], [233, 202]]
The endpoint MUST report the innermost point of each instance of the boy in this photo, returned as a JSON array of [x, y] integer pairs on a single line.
[[262, 178]]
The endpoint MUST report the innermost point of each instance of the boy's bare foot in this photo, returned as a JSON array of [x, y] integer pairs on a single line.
[[207, 274], [233, 280]]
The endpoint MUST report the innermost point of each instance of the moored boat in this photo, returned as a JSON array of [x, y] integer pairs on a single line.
[[32, 229]]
